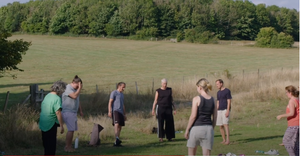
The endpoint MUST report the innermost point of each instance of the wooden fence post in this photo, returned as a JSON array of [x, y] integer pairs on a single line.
[[153, 86], [6, 101], [33, 89], [243, 74], [116, 85], [97, 89], [258, 73], [137, 89]]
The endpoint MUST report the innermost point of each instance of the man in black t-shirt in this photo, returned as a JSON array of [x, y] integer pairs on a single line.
[[223, 105]]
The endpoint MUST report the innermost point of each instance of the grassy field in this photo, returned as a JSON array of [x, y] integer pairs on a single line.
[[107, 61], [258, 97]]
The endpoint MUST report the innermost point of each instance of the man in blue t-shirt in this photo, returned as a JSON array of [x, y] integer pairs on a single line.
[[116, 110], [224, 106]]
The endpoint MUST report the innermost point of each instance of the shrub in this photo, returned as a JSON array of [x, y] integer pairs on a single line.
[[268, 37]]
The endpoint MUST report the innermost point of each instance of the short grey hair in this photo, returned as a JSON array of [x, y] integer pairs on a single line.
[[59, 87], [164, 80]]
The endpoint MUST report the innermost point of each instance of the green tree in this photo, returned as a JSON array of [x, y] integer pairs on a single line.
[[11, 53]]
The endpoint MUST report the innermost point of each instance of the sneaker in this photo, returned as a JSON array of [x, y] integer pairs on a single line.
[[118, 142], [272, 152]]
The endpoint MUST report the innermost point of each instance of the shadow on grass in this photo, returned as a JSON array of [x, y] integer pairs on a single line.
[[258, 139], [230, 135], [24, 84]]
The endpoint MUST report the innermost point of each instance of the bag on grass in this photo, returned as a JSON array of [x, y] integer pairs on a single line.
[[95, 140]]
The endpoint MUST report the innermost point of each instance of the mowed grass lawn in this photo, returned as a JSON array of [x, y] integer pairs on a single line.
[[107, 61]]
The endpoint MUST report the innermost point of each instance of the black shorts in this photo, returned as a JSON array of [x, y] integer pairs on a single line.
[[118, 118]]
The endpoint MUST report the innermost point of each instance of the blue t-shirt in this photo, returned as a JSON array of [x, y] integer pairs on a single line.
[[118, 102], [222, 97]]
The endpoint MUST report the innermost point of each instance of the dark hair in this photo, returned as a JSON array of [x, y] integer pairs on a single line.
[[220, 80], [77, 79], [293, 90], [120, 83]]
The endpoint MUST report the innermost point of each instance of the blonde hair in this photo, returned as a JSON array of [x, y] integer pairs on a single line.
[[204, 83]]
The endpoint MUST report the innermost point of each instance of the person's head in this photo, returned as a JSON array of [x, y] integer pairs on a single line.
[[164, 83], [75, 82], [58, 87], [219, 83], [121, 86], [291, 91], [203, 84]]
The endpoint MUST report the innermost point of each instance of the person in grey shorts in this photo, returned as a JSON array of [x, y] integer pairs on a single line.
[[70, 107], [116, 110], [224, 106], [200, 128]]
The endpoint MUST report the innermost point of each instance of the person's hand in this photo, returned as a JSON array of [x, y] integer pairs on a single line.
[[227, 113], [109, 114], [278, 117], [79, 85], [62, 129], [81, 114], [186, 134], [153, 113], [174, 112]]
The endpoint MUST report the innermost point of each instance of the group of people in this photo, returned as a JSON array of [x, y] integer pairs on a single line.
[[58, 107], [205, 115]]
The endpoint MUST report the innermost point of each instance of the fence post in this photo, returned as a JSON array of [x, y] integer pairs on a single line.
[[97, 89], [6, 101], [116, 85], [243, 74], [153, 86], [33, 89], [258, 73], [137, 89]]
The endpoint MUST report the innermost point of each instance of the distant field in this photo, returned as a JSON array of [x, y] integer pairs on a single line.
[[107, 61]]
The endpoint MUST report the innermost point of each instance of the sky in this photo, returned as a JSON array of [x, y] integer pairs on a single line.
[[291, 4]]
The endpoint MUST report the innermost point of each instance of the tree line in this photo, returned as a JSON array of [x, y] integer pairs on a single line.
[[182, 19]]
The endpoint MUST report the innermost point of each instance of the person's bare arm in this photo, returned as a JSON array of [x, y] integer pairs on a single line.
[[154, 103], [215, 117], [74, 95], [228, 107], [218, 104], [291, 106], [196, 101], [59, 118], [109, 107]]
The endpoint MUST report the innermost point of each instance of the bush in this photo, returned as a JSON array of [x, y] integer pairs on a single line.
[[200, 36], [268, 37], [146, 33]]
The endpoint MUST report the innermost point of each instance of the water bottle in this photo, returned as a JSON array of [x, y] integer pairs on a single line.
[[76, 143], [259, 151]]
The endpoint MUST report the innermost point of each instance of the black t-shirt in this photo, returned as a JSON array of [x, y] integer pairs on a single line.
[[164, 97], [204, 112], [222, 97]]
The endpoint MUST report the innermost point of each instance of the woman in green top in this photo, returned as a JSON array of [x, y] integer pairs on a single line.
[[50, 117]]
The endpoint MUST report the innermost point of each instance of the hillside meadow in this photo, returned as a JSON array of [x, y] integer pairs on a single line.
[[258, 95]]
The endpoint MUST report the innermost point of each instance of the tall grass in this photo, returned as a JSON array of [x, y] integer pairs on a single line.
[[252, 95]]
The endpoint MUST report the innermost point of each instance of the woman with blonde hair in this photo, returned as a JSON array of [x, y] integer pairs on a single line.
[[291, 136], [200, 128]]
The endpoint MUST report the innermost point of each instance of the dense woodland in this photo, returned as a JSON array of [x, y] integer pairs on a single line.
[[224, 19]]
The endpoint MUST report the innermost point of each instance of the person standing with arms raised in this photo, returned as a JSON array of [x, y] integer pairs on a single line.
[[224, 106], [164, 101], [116, 110], [70, 107]]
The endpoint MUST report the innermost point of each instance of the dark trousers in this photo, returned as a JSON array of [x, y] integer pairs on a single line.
[[164, 115], [49, 140]]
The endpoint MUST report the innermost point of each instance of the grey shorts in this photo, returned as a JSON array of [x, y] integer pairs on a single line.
[[201, 136], [70, 119]]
